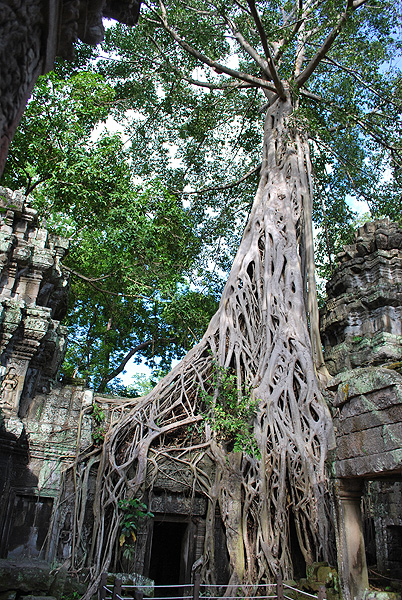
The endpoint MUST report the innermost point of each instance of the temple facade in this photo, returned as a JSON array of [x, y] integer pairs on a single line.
[[46, 423]]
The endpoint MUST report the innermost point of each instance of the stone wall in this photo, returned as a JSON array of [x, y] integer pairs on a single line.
[[361, 327], [33, 301], [367, 412], [384, 507], [56, 428], [361, 323]]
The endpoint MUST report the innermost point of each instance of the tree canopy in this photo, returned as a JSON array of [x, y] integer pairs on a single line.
[[212, 96], [187, 87], [169, 72], [136, 254]]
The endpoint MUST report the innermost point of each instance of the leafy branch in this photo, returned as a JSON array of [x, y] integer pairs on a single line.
[[231, 412]]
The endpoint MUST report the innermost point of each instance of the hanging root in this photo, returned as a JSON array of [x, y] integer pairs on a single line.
[[260, 336]]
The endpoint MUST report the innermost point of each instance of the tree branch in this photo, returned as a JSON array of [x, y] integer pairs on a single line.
[[91, 281], [280, 90], [367, 127], [317, 58], [221, 187], [205, 59], [357, 76], [106, 378], [261, 62], [205, 84]]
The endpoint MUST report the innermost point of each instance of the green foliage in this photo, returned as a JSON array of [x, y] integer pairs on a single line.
[[141, 384], [148, 261], [135, 250], [132, 512], [351, 112], [99, 427], [231, 411]]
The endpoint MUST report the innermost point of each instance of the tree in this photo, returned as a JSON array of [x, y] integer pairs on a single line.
[[320, 68], [133, 248]]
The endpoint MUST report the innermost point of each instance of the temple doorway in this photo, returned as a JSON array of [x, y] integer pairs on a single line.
[[172, 553]]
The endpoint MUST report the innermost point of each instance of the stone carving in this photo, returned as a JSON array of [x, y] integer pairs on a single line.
[[33, 299], [7, 389], [362, 321], [33, 33], [21, 32]]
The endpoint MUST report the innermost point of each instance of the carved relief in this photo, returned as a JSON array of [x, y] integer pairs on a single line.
[[8, 388], [33, 290], [33, 33]]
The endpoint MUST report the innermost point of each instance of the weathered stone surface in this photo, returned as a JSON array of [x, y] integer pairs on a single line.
[[173, 480], [32, 597], [37, 580], [178, 504], [376, 595], [10, 595], [22, 27], [383, 504], [33, 299], [367, 409], [30, 576], [362, 321]]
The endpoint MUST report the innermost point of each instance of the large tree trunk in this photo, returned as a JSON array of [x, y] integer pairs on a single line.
[[260, 334]]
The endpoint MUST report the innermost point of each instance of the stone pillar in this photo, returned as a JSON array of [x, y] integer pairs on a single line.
[[352, 566]]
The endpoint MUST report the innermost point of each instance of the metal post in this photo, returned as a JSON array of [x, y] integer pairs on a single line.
[[102, 587], [197, 583], [116, 589], [279, 588], [322, 593]]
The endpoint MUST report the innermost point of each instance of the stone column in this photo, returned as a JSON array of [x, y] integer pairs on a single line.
[[352, 566]]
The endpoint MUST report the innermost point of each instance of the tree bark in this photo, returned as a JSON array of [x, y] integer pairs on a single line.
[[260, 334]]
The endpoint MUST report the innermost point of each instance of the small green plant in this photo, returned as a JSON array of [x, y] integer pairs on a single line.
[[231, 412], [132, 512], [98, 425], [71, 596]]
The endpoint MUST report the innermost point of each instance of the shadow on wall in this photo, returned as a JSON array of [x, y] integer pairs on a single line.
[[24, 516]]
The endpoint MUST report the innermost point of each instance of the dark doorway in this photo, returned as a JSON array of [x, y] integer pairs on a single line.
[[369, 541], [166, 566], [299, 564], [394, 535], [29, 525]]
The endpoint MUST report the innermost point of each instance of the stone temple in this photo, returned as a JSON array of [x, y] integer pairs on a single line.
[[46, 423]]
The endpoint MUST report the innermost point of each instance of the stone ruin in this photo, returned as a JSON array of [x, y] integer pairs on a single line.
[[361, 324], [33, 301], [46, 424], [361, 330], [42, 424]]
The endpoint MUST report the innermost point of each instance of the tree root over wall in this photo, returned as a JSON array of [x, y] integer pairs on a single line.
[[259, 334]]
